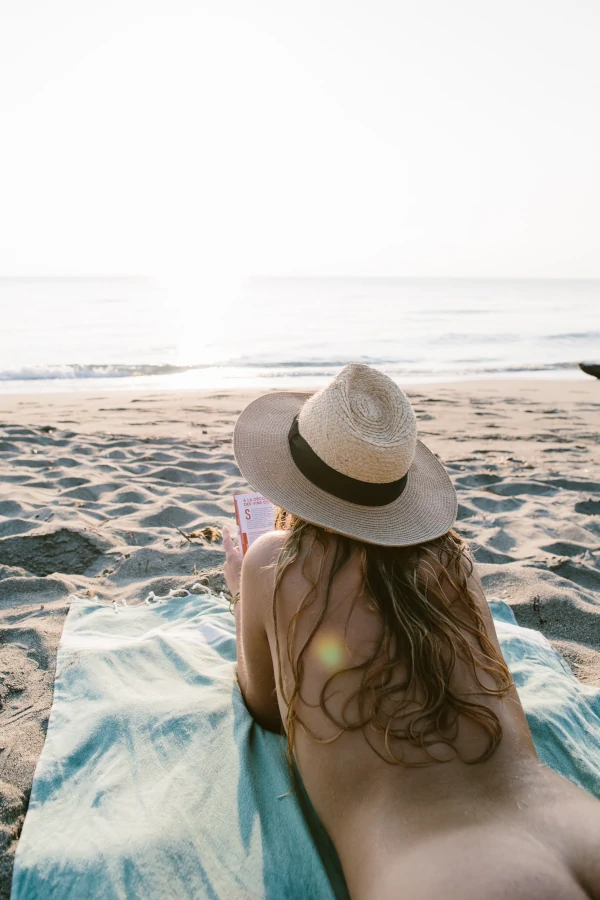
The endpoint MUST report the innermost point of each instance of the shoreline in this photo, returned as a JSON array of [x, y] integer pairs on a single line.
[[241, 380]]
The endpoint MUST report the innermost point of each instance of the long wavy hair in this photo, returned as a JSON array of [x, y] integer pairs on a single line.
[[424, 627]]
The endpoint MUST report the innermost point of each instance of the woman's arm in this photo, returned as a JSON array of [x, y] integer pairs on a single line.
[[254, 582]]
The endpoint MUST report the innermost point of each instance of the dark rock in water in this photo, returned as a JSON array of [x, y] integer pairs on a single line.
[[590, 369], [57, 551]]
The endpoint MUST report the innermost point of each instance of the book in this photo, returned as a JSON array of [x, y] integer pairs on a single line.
[[254, 515]]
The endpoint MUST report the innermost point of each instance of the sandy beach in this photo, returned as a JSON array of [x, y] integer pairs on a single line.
[[113, 494]]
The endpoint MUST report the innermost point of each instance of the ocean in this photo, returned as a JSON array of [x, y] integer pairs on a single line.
[[123, 333]]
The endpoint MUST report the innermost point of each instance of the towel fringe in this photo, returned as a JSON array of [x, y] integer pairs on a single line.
[[153, 599]]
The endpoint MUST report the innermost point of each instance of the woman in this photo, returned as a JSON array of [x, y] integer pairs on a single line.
[[364, 633]]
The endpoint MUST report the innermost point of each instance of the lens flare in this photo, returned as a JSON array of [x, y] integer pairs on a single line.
[[330, 649]]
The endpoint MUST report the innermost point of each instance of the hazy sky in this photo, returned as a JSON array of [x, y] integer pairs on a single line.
[[315, 137]]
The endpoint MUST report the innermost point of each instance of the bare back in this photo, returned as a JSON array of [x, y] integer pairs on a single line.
[[418, 832]]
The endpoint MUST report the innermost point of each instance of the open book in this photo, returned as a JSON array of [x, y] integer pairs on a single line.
[[254, 515]]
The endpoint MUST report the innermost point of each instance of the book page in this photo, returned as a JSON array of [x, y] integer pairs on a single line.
[[254, 515]]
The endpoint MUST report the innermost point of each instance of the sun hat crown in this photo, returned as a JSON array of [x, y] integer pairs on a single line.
[[362, 425]]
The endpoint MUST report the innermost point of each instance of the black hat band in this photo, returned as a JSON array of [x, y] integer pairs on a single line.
[[365, 493]]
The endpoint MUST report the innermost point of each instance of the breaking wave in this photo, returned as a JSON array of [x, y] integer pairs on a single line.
[[49, 373], [276, 368]]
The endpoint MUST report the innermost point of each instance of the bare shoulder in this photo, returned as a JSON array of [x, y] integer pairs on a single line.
[[261, 557]]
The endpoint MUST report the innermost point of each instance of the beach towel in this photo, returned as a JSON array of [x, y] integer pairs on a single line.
[[155, 782]]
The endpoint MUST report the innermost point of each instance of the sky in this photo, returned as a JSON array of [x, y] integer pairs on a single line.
[[217, 139]]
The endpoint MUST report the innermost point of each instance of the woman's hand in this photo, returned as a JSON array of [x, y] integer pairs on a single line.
[[233, 563]]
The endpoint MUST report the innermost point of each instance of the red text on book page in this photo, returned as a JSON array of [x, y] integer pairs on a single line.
[[254, 515]]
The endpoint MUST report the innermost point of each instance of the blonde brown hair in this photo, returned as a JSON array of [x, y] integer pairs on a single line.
[[424, 625]]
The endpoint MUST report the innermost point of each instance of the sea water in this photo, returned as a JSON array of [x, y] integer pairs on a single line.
[[77, 334]]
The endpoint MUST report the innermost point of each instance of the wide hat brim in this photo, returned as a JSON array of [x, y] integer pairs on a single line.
[[425, 509]]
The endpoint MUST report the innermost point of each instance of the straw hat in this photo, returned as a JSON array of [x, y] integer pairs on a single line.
[[347, 458]]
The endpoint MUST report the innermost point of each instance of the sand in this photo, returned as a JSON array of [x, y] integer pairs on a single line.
[[96, 490]]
